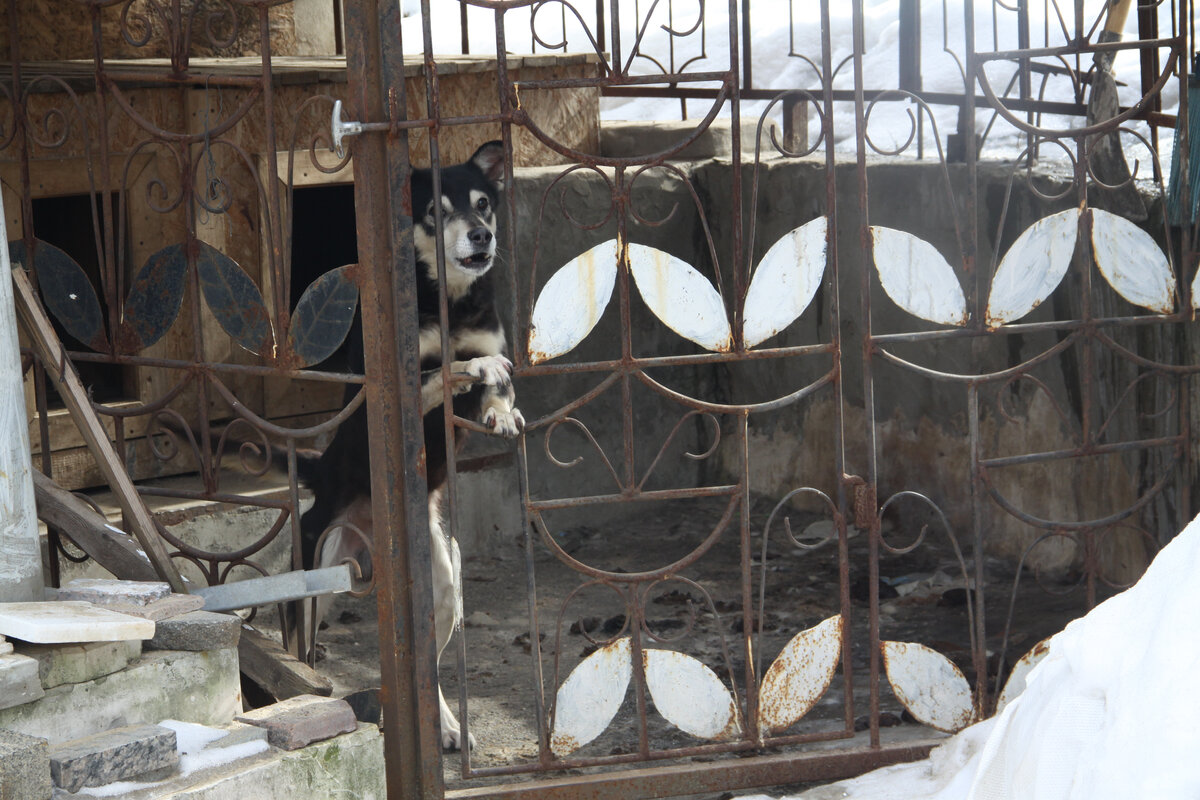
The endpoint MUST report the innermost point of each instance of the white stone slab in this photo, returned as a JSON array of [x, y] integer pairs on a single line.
[[70, 621]]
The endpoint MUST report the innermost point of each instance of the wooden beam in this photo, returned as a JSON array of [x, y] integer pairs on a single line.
[[116, 552], [276, 670], [62, 374]]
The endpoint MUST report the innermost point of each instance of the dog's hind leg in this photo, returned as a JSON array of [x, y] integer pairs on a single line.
[[447, 609]]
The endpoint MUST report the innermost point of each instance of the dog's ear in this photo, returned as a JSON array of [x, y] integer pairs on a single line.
[[490, 160]]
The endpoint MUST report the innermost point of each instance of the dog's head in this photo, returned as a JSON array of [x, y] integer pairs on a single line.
[[468, 201]]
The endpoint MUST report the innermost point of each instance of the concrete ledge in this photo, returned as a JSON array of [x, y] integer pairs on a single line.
[[625, 139], [350, 765], [201, 687]]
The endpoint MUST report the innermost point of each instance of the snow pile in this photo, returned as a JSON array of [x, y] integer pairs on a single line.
[[1109, 714], [783, 26]]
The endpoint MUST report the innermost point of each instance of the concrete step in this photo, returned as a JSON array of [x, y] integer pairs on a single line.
[[201, 686]]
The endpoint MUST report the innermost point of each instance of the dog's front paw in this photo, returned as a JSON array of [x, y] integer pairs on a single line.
[[504, 423], [491, 370], [452, 736]]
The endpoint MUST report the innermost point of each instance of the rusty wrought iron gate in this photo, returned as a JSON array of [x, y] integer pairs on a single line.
[[755, 386], [1052, 328]]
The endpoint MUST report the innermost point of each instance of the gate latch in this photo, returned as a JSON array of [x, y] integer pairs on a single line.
[[342, 128]]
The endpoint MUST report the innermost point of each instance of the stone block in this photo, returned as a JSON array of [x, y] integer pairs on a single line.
[[166, 684], [19, 682], [103, 592], [173, 605], [5, 646], [196, 630], [115, 755], [76, 663], [24, 767], [299, 721], [73, 621]]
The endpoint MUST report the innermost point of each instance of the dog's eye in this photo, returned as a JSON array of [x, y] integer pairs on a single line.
[[482, 204]]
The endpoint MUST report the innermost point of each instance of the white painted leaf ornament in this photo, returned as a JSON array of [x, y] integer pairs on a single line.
[[785, 281], [681, 297], [1016, 679], [1033, 267], [917, 278], [689, 695], [1132, 262], [800, 676], [589, 698], [572, 302], [929, 685]]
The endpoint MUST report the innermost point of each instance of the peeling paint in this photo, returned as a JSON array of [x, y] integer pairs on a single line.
[[681, 297], [1033, 267], [572, 302], [800, 676], [929, 685], [589, 698], [785, 281], [690, 696], [1132, 263], [917, 278], [1016, 679]]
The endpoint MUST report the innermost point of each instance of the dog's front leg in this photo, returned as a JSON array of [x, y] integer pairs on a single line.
[[447, 611]]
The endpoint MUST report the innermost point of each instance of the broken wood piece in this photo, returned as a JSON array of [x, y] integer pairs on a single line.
[[115, 551], [66, 381], [277, 671]]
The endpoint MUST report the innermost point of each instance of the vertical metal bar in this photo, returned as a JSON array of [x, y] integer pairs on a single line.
[[740, 268], [835, 327], [910, 45], [868, 376], [463, 31], [749, 625], [601, 32], [977, 495], [747, 54], [412, 747], [1026, 76], [504, 86], [108, 267], [1147, 16]]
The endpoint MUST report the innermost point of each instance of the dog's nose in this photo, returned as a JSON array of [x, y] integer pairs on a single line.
[[479, 236]]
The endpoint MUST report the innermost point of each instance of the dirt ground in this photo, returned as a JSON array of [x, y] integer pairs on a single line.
[[801, 590]]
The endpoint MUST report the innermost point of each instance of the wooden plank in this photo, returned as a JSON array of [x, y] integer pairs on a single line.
[[276, 670], [75, 397], [116, 552]]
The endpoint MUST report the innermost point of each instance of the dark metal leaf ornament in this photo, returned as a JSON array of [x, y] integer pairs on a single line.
[[323, 316], [154, 300], [66, 291], [234, 300]]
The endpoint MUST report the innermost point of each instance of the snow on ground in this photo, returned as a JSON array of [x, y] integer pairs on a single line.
[[783, 26], [1108, 714]]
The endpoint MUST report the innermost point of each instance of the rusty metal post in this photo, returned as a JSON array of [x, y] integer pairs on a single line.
[[390, 338]]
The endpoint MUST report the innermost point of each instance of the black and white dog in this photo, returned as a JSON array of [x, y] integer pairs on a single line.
[[340, 476]]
